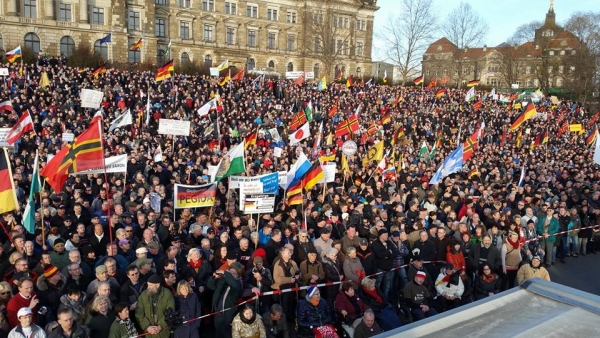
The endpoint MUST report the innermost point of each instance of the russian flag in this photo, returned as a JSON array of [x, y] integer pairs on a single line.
[[14, 54], [298, 169]]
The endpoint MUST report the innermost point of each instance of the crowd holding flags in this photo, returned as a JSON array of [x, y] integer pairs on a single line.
[[164, 72]]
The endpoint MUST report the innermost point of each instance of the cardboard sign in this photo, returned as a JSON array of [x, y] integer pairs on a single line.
[[91, 98], [174, 127], [259, 203], [68, 137]]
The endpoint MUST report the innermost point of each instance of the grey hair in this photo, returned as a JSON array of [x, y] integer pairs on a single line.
[[350, 249], [369, 312], [192, 251], [331, 251]]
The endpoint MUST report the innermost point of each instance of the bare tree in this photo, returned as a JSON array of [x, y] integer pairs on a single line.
[[408, 35], [511, 64], [464, 27], [326, 33], [524, 33]]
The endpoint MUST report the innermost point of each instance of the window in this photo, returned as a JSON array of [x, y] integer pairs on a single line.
[[252, 11], [208, 61], [208, 5], [339, 46], [160, 2], [346, 49], [361, 25], [134, 55], [159, 28], [251, 64], [317, 48], [561, 69], [272, 14], [185, 59], [101, 49], [30, 9], [291, 17], [318, 18], [528, 70], [32, 42], [550, 69], [290, 67], [571, 69], [272, 40], [208, 33], [358, 72], [359, 49], [134, 20], [291, 42], [230, 8], [316, 70], [536, 82], [161, 56], [271, 64], [528, 83], [551, 53], [184, 30], [562, 52], [548, 32], [230, 36], [573, 52], [97, 16], [185, 3], [335, 21], [251, 38], [559, 82], [67, 46], [346, 22]]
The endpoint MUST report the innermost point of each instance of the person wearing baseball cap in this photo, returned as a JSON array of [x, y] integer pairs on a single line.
[[26, 327], [418, 297]]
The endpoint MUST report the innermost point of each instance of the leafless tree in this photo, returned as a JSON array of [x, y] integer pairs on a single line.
[[326, 33], [407, 35], [511, 64], [464, 27], [524, 33]]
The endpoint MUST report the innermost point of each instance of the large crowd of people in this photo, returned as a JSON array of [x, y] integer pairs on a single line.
[[114, 258]]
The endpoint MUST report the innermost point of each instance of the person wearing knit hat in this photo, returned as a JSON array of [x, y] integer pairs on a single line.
[[151, 305], [384, 252], [59, 256], [313, 311], [419, 297], [50, 286]]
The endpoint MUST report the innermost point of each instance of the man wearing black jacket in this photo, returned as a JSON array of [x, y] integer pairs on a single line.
[[384, 252], [417, 298]]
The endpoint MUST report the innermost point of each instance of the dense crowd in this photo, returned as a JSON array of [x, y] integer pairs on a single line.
[[111, 262]]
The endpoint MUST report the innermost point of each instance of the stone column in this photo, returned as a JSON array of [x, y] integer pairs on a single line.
[[12, 7], [83, 11], [49, 10]]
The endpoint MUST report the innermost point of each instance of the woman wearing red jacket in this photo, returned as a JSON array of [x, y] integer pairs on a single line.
[[350, 307]]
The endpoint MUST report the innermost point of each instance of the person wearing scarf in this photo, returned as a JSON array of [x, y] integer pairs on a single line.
[[313, 311], [350, 306], [247, 324], [122, 326], [487, 282], [449, 287], [198, 269], [511, 257]]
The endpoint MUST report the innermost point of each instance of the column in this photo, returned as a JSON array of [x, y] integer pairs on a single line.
[[83, 11], [49, 10], [12, 7]]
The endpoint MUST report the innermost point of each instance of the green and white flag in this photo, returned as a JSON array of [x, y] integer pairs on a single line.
[[168, 50], [470, 95], [423, 149], [308, 111], [36, 187], [232, 163]]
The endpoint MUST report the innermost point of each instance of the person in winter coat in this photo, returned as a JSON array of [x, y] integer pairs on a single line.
[[573, 227], [186, 302], [511, 258], [286, 275], [384, 252], [313, 311], [365, 254], [350, 307], [25, 316], [352, 266], [455, 256], [74, 300], [261, 278], [333, 273], [151, 307], [484, 252], [312, 271], [247, 324], [449, 287], [487, 282], [100, 317], [384, 313], [275, 322], [227, 287], [547, 226], [123, 326], [50, 285], [198, 268], [531, 270], [368, 327], [418, 298], [66, 326]]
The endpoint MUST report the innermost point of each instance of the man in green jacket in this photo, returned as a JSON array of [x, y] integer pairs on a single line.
[[227, 286], [547, 226], [151, 306]]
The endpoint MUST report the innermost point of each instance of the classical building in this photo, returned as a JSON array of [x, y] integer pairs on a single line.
[[277, 34], [545, 62]]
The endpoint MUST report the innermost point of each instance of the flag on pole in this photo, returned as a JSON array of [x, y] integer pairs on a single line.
[[385, 78], [8, 196], [14, 54], [121, 121], [470, 95], [168, 49], [473, 83], [106, 39], [158, 155], [522, 178], [323, 83], [24, 125], [231, 164], [224, 65], [207, 107], [453, 163], [137, 45], [148, 109], [300, 134], [419, 80], [6, 106], [36, 187], [164, 72], [239, 76], [423, 150], [308, 111], [529, 113]]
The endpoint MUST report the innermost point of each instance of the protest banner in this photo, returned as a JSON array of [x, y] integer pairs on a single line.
[[174, 127], [269, 182], [91, 98], [195, 196], [114, 164], [259, 203]]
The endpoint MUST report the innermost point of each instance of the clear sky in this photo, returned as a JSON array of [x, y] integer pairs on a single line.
[[502, 16]]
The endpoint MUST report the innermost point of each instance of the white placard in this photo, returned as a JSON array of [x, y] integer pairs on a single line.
[[214, 71], [278, 107], [275, 134], [329, 172], [527, 131], [174, 127], [259, 203], [295, 75], [4, 72], [91, 98], [247, 188], [282, 179], [277, 151], [114, 164], [68, 137], [3, 134]]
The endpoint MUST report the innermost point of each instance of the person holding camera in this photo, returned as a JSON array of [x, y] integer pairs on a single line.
[[286, 275], [227, 287], [151, 307], [259, 280]]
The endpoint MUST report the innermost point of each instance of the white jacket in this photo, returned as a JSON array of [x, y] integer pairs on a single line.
[[36, 332], [446, 289]]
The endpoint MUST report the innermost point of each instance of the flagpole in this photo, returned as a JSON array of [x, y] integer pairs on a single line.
[[110, 233], [42, 217]]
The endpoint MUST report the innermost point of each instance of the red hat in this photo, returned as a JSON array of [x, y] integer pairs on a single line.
[[50, 271], [260, 252]]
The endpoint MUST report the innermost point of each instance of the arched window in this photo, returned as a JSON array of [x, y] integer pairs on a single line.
[[290, 67], [358, 72], [208, 61], [336, 71], [271, 64], [316, 70], [101, 49], [343, 71], [32, 41], [251, 64], [67, 46], [185, 59]]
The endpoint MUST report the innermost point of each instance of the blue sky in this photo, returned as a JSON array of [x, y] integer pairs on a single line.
[[503, 17]]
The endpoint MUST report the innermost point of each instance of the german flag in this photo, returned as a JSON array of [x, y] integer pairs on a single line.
[[8, 197], [338, 75], [529, 113], [313, 176], [591, 137], [431, 84], [298, 121], [295, 200], [250, 140], [474, 172], [593, 119], [164, 72], [473, 83], [327, 158], [137, 45], [419, 80], [225, 80], [537, 142], [397, 136], [387, 118], [398, 100], [295, 189], [563, 128], [349, 82], [545, 137], [440, 93], [99, 70]]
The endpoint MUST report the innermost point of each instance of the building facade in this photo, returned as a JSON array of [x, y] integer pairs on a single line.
[[253, 34], [547, 62]]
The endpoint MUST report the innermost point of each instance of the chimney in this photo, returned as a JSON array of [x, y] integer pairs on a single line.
[[484, 48]]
